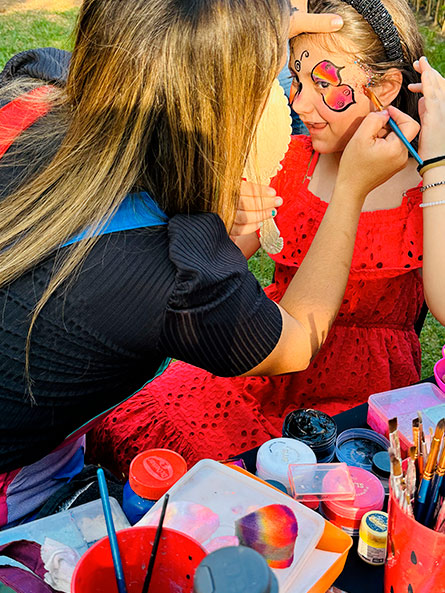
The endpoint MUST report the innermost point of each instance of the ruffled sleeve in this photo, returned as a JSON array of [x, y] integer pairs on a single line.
[[218, 317], [388, 243]]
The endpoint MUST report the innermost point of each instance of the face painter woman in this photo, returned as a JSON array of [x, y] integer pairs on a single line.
[[119, 187]]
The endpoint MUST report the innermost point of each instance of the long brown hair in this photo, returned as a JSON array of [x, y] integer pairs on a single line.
[[368, 48], [162, 95]]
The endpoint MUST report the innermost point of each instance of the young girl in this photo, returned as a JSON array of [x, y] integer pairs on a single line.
[[372, 345]]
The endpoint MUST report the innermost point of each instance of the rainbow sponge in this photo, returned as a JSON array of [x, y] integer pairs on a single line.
[[271, 531]]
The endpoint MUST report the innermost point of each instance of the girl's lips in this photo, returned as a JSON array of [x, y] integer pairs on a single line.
[[314, 126]]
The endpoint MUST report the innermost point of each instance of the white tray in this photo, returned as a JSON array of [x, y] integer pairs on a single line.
[[231, 495]]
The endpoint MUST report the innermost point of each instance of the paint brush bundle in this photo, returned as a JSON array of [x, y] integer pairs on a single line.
[[420, 490]]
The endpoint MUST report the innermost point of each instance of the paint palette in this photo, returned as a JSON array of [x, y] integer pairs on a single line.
[[231, 495]]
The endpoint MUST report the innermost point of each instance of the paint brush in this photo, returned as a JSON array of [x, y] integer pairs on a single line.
[[120, 580], [392, 124], [421, 456], [435, 488], [154, 549], [394, 437], [440, 522], [411, 474], [421, 506], [396, 475]]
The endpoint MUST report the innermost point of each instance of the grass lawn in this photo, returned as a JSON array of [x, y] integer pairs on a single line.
[[25, 30]]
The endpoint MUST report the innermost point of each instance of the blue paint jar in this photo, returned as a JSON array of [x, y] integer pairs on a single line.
[[151, 474]]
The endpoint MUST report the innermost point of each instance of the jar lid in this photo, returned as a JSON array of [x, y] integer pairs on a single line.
[[381, 464], [154, 471], [369, 495], [233, 569], [357, 446], [274, 457]]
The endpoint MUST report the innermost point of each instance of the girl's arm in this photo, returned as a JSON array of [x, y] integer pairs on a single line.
[[432, 145], [315, 294]]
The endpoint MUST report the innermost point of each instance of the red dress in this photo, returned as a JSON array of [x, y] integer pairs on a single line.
[[371, 347]]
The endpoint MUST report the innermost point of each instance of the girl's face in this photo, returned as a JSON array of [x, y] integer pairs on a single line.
[[327, 93]]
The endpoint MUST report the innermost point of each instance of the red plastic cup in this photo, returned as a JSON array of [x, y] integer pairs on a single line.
[[177, 558], [416, 555]]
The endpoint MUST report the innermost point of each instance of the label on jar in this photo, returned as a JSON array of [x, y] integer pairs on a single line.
[[371, 554]]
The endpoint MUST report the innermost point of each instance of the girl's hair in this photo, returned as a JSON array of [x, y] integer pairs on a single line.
[[162, 95], [368, 49]]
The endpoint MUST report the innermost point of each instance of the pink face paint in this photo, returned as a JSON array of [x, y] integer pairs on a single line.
[[336, 96]]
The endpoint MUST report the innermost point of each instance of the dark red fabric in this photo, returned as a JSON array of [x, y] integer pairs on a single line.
[[371, 347]]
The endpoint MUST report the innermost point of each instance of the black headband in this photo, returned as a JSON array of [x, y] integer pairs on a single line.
[[381, 22]]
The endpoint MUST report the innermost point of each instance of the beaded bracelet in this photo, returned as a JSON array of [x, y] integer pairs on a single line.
[[425, 204], [422, 188], [425, 187], [438, 161]]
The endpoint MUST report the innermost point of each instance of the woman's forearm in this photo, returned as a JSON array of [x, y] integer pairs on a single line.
[[434, 244]]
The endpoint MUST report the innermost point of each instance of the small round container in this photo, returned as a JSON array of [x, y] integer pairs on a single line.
[[357, 447], [369, 496], [315, 429], [234, 569], [439, 371], [274, 457], [372, 538], [152, 473], [381, 467]]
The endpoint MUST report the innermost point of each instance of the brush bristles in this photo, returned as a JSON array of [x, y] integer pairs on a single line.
[[412, 453], [416, 423], [392, 424]]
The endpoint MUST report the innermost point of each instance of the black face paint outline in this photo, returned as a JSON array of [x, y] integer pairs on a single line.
[[297, 63], [339, 84]]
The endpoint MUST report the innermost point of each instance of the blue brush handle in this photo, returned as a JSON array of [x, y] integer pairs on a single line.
[[111, 532], [395, 128], [420, 508], [437, 481]]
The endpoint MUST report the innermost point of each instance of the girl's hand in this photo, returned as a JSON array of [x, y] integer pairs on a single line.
[[257, 203], [431, 109], [303, 22], [374, 153]]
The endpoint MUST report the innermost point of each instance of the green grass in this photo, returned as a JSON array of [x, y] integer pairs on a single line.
[[27, 30], [20, 31]]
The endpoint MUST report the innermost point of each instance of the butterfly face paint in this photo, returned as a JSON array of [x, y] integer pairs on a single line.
[[336, 96]]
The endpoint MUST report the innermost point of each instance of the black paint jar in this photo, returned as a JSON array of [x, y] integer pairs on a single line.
[[314, 428]]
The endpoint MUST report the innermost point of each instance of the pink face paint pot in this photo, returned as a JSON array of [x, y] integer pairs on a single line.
[[369, 496], [439, 371], [177, 558]]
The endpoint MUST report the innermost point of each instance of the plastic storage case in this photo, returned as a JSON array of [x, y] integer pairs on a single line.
[[404, 403], [231, 493], [79, 528]]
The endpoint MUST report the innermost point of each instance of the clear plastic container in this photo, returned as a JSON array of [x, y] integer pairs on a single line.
[[79, 527], [404, 403], [321, 481]]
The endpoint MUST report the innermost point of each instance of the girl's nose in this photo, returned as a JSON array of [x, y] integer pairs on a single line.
[[301, 101]]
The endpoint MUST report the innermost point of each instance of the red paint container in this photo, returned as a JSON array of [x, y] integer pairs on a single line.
[[176, 561], [369, 496]]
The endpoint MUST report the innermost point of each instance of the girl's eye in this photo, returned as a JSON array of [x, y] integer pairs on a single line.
[[322, 84]]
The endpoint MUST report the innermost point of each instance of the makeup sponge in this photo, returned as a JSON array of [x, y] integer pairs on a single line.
[[271, 531]]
